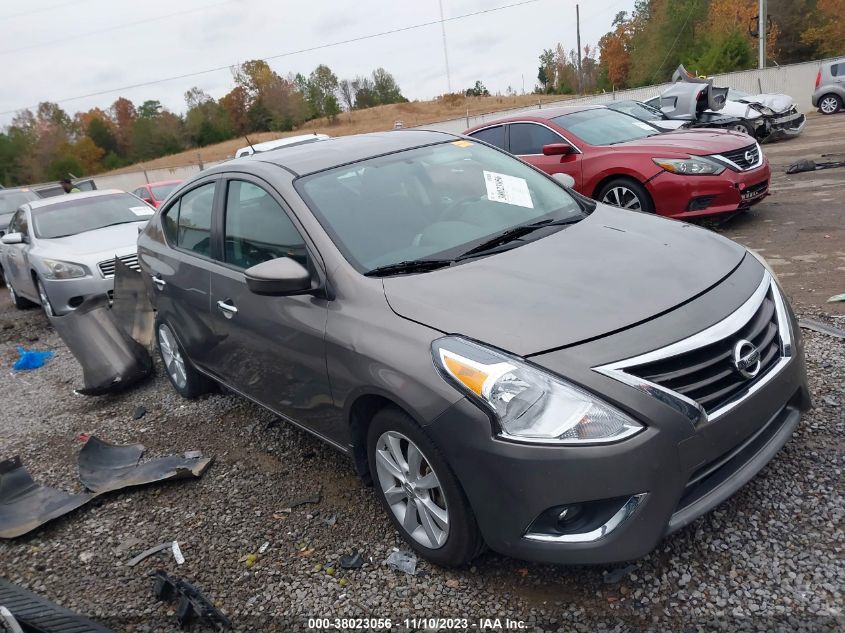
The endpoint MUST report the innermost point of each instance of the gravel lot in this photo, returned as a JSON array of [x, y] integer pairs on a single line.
[[771, 558]]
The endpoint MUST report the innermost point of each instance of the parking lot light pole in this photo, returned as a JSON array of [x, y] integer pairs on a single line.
[[761, 30]]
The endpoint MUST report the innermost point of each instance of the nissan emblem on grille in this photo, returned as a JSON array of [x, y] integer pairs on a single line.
[[746, 359], [750, 157]]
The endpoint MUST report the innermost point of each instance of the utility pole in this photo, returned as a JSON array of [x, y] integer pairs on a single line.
[[578, 32], [445, 52], [762, 23]]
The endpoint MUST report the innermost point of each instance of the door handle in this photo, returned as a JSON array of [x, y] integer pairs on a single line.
[[227, 308], [159, 283]]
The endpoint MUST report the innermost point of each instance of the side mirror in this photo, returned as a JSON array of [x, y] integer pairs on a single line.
[[12, 238], [278, 277], [565, 179], [557, 149]]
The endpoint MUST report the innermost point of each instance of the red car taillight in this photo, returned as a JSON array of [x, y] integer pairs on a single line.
[[818, 78]]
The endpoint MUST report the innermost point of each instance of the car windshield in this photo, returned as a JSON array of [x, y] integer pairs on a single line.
[[431, 202], [11, 200], [88, 214], [601, 126], [160, 192], [638, 110]]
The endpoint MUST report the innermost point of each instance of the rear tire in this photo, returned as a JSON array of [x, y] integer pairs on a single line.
[[625, 193], [187, 381], [407, 467], [19, 302], [830, 104]]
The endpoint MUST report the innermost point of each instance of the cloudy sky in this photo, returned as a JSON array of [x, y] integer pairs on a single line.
[[55, 50]]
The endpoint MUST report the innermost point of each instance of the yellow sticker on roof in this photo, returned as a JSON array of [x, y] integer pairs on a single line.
[[462, 143]]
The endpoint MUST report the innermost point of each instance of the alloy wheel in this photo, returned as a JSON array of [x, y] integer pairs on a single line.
[[412, 489], [739, 127], [622, 197], [45, 301], [172, 357], [829, 105]]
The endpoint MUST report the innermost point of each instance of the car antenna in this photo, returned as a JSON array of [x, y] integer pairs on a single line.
[[248, 142]]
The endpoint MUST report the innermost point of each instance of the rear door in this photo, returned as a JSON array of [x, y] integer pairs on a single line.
[[526, 140], [181, 271], [271, 349]]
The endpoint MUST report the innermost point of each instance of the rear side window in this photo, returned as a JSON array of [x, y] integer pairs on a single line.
[[529, 138], [493, 135], [187, 223], [257, 229], [835, 69]]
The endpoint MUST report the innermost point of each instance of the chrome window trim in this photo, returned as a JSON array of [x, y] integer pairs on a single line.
[[728, 161], [623, 514], [717, 332]]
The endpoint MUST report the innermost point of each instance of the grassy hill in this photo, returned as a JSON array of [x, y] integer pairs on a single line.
[[374, 119]]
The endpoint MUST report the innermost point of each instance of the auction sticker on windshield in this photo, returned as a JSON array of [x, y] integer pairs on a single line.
[[142, 211], [507, 189]]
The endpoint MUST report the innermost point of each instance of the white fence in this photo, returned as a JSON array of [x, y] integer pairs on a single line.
[[795, 80]]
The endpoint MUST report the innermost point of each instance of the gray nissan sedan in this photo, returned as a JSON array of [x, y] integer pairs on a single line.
[[509, 363]]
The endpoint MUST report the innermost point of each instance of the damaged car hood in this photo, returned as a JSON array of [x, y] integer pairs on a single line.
[[608, 272], [776, 102]]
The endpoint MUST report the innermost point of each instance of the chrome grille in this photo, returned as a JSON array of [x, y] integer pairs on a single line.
[[107, 267], [707, 374], [745, 158]]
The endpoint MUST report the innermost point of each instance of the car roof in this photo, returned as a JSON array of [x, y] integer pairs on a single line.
[[543, 114], [46, 202], [342, 150], [6, 190]]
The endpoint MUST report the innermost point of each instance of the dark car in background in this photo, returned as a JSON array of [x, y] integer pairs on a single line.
[[508, 363], [10, 201], [628, 163]]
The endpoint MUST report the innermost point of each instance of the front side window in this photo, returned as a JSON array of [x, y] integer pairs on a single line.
[[602, 126], [529, 138], [257, 229], [430, 202], [187, 223], [79, 215], [493, 135]]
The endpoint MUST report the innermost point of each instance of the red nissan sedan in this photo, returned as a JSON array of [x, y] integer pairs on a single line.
[[623, 161]]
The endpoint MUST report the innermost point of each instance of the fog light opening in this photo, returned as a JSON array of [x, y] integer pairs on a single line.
[[75, 302]]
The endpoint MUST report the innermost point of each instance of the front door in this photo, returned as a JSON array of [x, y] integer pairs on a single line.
[[526, 140], [271, 349], [17, 257]]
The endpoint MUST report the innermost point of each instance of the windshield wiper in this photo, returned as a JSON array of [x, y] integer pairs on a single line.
[[514, 234], [409, 266]]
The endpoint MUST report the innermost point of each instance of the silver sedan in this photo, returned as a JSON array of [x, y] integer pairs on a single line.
[[60, 250]]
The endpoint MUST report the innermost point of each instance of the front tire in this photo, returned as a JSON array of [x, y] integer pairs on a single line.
[[186, 380], [626, 193], [419, 491], [830, 104], [743, 127]]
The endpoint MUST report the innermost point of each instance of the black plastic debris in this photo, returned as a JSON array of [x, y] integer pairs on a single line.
[[805, 164], [354, 561], [149, 552], [25, 505], [821, 328], [139, 412], [38, 615], [315, 498], [192, 606], [104, 467]]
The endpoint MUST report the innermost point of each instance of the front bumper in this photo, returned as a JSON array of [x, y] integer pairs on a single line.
[[666, 476], [66, 294], [696, 196], [784, 125]]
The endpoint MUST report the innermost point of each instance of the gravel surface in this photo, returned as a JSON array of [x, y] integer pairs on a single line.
[[769, 559]]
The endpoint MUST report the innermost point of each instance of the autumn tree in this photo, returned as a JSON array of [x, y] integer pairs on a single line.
[[123, 114], [828, 36], [236, 104]]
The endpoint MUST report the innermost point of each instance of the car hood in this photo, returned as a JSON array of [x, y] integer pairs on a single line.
[[699, 142], [777, 102], [107, 241], [608, 272]]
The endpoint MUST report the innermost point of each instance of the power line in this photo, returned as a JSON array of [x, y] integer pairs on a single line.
[[41, 10], [115, 27], [287, 54]]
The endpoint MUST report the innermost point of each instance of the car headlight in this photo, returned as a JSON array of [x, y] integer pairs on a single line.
[[692, 166], [529, 404], [63, 270]]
